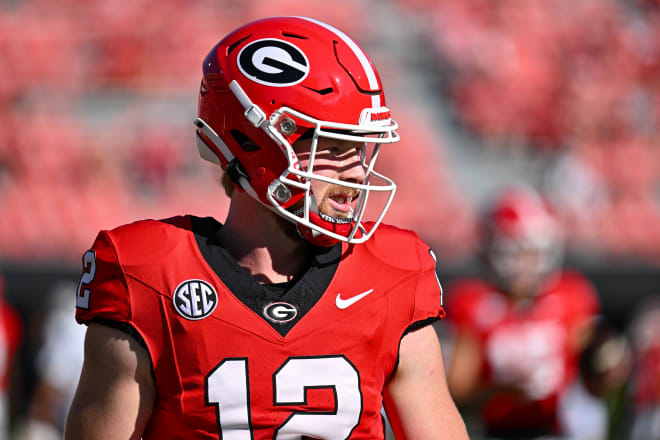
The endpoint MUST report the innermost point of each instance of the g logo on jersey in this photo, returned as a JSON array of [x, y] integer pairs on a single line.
[[195, 299], [273, 62], [280, 312]]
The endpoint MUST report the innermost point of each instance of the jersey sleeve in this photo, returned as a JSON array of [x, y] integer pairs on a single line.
[[124, 282], [428, 295], [103, 291]]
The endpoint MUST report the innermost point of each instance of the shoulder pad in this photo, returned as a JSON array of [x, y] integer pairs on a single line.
[[148, 240], [400, 248]]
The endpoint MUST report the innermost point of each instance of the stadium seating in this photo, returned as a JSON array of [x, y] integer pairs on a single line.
[[87, 140]]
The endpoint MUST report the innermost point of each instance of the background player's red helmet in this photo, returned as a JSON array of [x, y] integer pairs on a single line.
[[270, 82], [523, 241]]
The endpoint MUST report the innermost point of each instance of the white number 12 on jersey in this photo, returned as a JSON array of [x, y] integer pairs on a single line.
[[227, 389]]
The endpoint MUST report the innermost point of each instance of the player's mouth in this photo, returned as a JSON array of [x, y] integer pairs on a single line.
[[342, 203]]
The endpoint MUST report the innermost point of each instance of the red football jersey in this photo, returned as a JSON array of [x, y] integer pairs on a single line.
[[528, 347], [222, 368]]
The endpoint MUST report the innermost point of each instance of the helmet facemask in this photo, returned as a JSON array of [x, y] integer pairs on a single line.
[[311, 221], [291, 195]]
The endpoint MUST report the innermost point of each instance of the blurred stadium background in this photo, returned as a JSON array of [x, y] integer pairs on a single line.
[[97, 100]]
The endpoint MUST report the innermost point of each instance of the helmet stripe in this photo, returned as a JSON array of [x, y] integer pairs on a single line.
[[359, 53]]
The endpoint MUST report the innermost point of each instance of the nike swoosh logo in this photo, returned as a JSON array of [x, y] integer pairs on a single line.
[[344, 303]]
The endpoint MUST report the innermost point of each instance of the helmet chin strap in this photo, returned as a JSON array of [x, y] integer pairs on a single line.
[[337, 220], [337, 225]]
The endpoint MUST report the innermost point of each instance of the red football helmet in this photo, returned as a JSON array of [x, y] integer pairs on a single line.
[[523, 241], [270, 82]]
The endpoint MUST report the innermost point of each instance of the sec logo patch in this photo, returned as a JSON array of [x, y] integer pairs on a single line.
[[195, 299]]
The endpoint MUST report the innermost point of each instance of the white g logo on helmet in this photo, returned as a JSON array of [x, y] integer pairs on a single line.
[[273, 62]]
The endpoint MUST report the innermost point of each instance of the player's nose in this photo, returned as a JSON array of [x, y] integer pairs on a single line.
[[352, 169]]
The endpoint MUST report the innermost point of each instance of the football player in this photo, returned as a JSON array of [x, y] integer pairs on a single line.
[[295, 318], [644, 328], [11, 336], [519, 330]]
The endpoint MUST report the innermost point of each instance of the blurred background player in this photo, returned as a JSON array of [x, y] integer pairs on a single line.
[[57, 366], [11, 335], [519, 331], [645, 336]]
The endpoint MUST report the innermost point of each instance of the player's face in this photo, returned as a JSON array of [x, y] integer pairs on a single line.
[[518, 268], [336, 159]]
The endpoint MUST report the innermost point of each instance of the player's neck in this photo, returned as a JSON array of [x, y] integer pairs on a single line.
[[262, 243]]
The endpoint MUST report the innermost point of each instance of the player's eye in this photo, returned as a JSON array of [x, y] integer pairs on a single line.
[[362, 152]]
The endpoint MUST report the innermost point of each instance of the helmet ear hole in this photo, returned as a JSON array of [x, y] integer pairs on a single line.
[[247, 144]]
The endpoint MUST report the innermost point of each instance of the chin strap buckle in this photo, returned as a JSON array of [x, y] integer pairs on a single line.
[[236, 172]]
